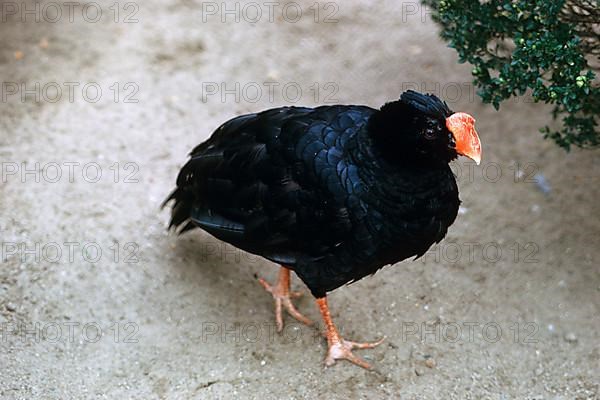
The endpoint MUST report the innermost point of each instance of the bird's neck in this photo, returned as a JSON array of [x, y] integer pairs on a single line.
[[393, 179], [365, 146]]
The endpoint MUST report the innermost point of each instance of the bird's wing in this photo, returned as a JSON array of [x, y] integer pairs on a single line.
[[273, 183]]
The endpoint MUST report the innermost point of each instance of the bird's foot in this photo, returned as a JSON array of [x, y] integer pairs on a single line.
[[340, 349], [283, 298]]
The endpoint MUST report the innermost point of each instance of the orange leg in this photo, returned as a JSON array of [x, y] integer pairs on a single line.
[[282, 295], [338, 347]]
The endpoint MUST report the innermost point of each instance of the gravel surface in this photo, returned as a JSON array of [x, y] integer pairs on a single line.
[[97, 300]]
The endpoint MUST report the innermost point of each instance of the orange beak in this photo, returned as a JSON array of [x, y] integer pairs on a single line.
[[462, 127]]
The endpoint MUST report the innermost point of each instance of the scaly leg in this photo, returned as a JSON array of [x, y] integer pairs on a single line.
[[338, 347], [282, 295]]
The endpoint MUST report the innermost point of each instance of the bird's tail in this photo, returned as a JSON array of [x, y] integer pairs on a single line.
[[182, 207], [184, 199]]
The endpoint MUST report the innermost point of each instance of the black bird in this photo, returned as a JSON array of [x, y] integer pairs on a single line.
[[333, 193]]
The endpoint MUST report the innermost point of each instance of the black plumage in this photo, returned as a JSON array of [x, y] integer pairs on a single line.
[[333, 192]]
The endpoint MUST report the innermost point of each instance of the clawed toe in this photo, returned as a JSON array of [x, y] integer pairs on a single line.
[[282, 296], [342, 350]]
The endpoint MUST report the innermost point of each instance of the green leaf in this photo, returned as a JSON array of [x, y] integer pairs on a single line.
[[547, 57]]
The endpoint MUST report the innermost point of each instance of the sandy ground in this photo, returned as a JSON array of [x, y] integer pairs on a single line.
[[98, 301]]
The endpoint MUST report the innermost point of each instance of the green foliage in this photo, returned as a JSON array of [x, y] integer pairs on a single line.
[[545, 46]]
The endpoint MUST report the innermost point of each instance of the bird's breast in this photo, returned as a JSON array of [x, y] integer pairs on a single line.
[[405, 213]]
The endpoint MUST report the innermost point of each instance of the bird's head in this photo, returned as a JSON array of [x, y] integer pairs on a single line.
[[420, 128]]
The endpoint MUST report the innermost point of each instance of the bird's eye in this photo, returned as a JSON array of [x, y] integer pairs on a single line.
[[430, 133]]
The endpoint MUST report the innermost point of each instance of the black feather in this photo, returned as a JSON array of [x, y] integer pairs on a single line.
[[426, 104], [333, 192]]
